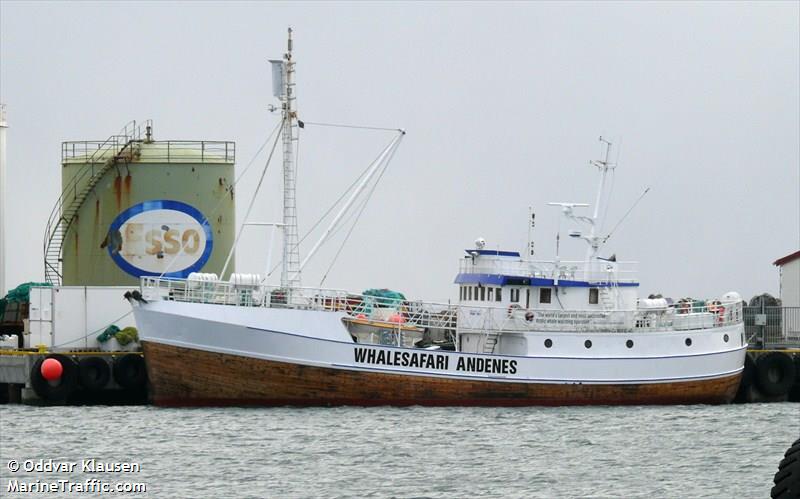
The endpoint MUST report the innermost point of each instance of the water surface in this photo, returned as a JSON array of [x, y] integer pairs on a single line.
[[678, 451]]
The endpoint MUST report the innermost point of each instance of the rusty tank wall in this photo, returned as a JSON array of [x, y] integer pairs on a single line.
[[165, 207]]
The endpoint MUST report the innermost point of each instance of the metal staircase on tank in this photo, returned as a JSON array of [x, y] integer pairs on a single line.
[[117, 148]]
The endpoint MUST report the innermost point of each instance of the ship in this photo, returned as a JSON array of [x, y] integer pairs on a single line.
[[522, 333]]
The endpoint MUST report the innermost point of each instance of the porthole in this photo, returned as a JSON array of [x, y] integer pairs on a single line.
[[688, 342], [629, 343], [587, 343], [548, 343], [726, 338]]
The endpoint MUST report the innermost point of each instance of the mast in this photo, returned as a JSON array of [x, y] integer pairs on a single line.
[[603, 166], [290, 273]]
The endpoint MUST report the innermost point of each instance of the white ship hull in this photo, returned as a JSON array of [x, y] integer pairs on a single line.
[[707, 371]]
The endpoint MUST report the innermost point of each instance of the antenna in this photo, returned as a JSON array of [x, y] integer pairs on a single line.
[[531, 225], [603, 165]]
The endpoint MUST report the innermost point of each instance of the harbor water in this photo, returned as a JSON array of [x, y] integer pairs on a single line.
[[681, 451]]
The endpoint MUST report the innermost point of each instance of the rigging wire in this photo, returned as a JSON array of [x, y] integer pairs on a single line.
[[360, 127], [328, 212], [333, 206], [360, 212], [626, 215], [102, 328], [253, 159], [252, 202], [230, 188]]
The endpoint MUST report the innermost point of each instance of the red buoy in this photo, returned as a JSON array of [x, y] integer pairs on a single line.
[[51, 369]]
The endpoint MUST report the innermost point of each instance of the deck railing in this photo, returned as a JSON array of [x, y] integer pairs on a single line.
[[599, 271], [464, 318]]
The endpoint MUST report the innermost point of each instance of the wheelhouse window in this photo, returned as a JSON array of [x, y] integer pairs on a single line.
[[514, 295], [498, 296], [469, 292], [483, 293], [545, 295], [594, 296], [489, 294], [475, 293]]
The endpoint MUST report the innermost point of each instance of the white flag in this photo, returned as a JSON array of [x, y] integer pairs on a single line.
[[277, 77]]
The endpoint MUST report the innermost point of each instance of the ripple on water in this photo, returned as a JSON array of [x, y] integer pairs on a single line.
[[679, 451]]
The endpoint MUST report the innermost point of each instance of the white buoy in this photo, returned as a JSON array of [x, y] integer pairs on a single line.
[[3, 127]]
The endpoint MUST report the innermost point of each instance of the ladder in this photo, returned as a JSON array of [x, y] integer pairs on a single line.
[[491, 342], [607, 298], [492, 334], [122, 147]]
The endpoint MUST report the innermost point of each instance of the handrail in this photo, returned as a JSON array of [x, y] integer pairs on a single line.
[[115, 144], [169, 151], [567, 270], [461, 318]]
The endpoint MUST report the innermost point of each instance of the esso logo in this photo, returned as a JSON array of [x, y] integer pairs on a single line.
[[160, 237]]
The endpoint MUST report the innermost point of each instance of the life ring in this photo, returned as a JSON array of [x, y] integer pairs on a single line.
[[529, 316], [130, 372], [513, 308], [93, 373], [775, 373], [55, 391]]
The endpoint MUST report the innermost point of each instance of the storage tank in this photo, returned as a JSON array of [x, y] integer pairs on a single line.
[[134, 206]]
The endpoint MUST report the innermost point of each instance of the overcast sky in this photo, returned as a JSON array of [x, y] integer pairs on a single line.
[[503, 104]]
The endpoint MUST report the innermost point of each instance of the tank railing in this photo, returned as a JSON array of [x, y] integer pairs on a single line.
[[87, 150], [465, 318], [565, 270], [190, 151]]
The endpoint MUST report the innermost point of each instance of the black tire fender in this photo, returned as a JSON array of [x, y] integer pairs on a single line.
[[775, 373], [130, 372], [787, 479], [60, 390], [93, 373], [748, 377], [794, 391]]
